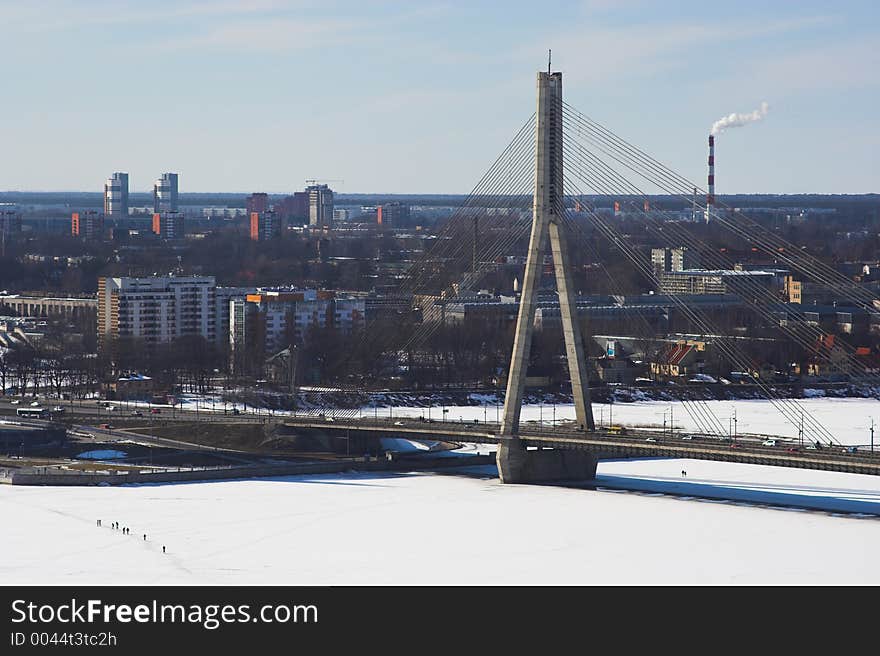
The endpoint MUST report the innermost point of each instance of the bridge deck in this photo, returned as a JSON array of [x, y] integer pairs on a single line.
[[614, 444]]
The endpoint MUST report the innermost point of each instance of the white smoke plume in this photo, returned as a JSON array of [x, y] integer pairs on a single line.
[[738, 120]]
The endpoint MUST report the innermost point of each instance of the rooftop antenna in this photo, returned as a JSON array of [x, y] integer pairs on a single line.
[[549, 59]]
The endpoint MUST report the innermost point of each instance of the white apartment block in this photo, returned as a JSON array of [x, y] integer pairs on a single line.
[[157, 309]]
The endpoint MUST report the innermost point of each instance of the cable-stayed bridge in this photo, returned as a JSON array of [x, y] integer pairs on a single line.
[[556, 162]]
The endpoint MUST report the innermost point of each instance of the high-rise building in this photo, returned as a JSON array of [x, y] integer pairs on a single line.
[[320, 206], [89, 225], [392, 215], [664, 260], [116, 196], [265, 225], [165, 193], [661, 261], [169, 225], [258, 202], [294, 209], [157, 309], [684, 259], [266, 321]]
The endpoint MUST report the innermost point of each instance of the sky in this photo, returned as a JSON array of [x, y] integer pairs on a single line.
[[421, 97]]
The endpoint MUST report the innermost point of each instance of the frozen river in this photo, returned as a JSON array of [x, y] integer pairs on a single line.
[[712, 526]]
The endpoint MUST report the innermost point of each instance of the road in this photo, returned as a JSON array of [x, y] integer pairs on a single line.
[[630, 443]]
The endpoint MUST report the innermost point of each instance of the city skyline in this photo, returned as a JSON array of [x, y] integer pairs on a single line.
[[261, 96]]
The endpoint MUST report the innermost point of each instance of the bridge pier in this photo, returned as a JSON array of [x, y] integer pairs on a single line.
[[516, 464]]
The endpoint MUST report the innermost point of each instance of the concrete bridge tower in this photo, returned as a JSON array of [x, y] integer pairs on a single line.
[[515, 463]]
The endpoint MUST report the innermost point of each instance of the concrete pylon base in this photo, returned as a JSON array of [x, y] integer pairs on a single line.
[[516, 464]]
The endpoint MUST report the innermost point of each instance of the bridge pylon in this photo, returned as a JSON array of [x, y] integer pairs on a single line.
[[547, 225]]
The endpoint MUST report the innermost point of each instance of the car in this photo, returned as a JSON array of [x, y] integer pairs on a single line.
[[107, 426], [236, 411], [110, 408], [398, 423], [329, 419], [155, 411], [768, 443], [793, 449], [687, 437], [810, 447], [137, 413], [735, 446], [35, 404], [58, 408], [650, 439], [14, 402]]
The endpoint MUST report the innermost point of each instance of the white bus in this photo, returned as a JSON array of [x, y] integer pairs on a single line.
[[35, 413]]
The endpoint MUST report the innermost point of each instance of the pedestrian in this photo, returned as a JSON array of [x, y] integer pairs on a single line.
[[99, 522], [163, 548], [683, 473], [145, 537]]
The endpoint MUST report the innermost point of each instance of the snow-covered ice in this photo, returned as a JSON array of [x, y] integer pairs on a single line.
[[645, 523], [448, 529]]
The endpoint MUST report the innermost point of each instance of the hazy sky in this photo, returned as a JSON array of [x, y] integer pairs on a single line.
[[420, 97]]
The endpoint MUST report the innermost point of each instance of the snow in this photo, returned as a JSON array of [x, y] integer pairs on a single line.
[[643, 522], [101, 454], [450, 529]]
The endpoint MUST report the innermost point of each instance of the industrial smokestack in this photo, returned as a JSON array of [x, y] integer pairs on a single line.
[[710, 196], [733, 120]]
